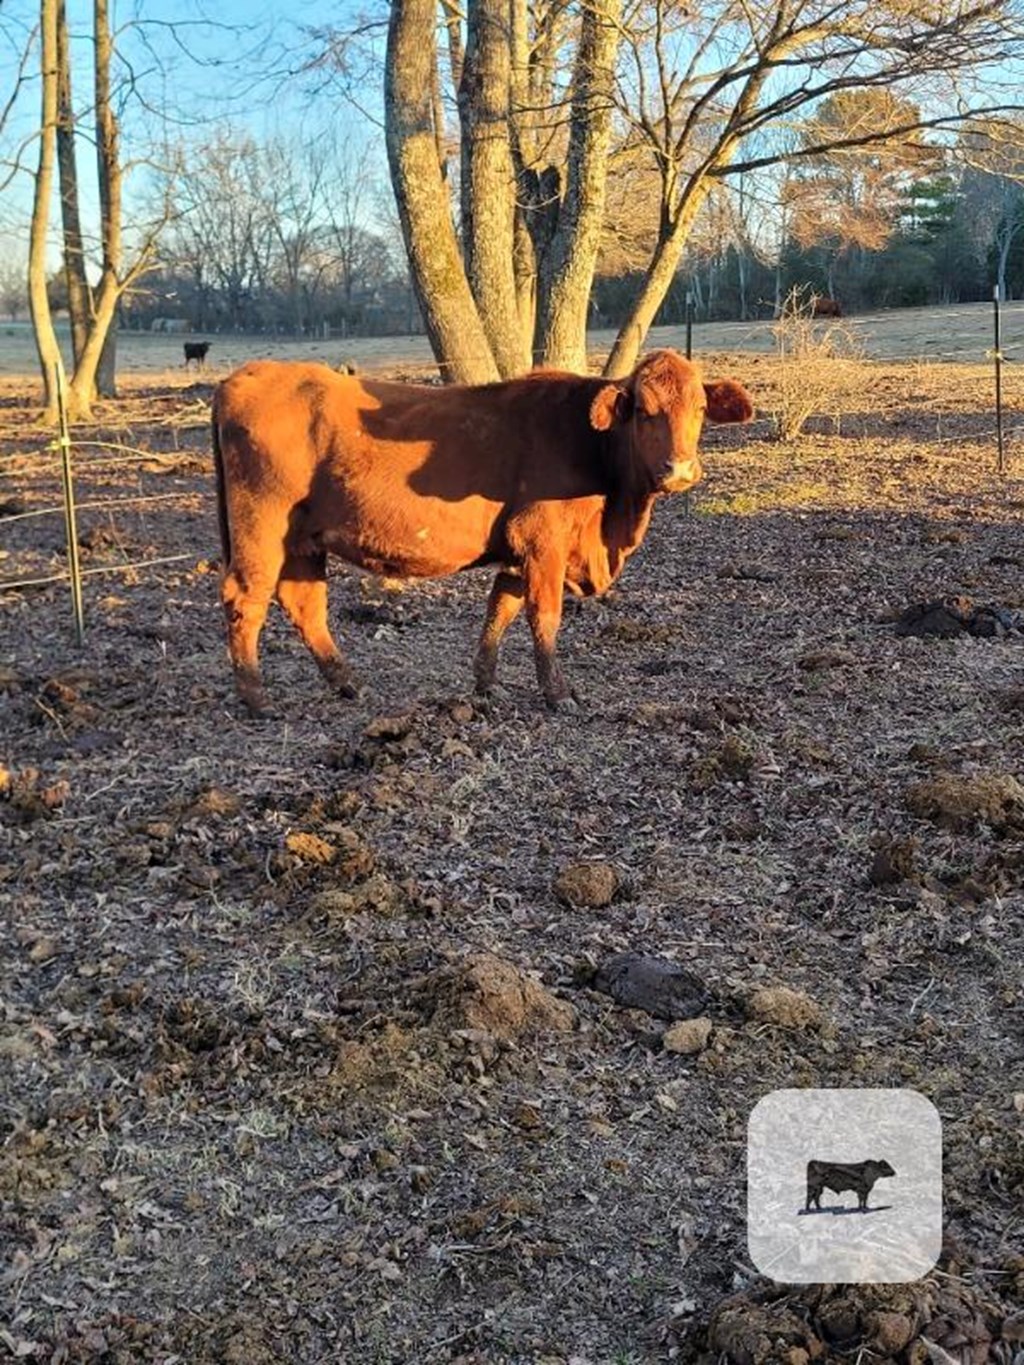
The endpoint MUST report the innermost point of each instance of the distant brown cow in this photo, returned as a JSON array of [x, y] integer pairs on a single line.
[[822, 307], [196, 350], [552, 477]]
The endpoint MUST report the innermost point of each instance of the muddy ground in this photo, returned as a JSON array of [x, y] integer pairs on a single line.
[[301, 1057]]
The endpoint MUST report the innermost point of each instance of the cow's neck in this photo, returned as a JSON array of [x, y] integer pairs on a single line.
[[629, 499], [624, 520]]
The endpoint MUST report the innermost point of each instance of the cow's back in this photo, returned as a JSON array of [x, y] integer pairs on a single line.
[[527, 440]]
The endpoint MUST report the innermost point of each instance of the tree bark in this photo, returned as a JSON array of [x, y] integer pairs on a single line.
[[450, 316], [108, 170], [488, 181], [39, 303], [671, 241], [525, 258], [566, 268], [79, 293]]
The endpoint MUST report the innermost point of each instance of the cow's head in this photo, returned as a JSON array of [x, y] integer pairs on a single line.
[[883, 1168], [661, 409]]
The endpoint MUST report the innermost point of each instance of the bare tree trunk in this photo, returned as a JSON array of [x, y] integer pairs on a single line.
[[566, 269], [39, 303], [95, 370], [489, 183], [525, 257], [671, 241], [455, 53], [108, 170], [79, 293], [453, 325]]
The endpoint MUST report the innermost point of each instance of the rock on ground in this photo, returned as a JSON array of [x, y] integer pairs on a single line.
[[654, 984]]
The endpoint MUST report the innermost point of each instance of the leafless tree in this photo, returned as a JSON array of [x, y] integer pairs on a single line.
[[992, 152], [697, 86], [93, 347], [39, 303]]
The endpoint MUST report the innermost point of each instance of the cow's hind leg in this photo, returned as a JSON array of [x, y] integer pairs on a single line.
[[246, 601], [503, 606], [302, 592], [545, 583]]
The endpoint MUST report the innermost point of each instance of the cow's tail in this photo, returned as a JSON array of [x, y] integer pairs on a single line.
[[222, 500]]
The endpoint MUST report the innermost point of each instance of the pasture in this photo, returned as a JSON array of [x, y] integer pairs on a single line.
[[301, 1052]]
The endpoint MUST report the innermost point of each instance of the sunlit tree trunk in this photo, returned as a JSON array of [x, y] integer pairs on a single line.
[[566, 267], [39, 303], [488, 181], [79, 293], [94, 372], [453, 324], [108, 170], [656, 283]]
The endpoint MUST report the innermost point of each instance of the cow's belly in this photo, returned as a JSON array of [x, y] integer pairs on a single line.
[[425, 541]]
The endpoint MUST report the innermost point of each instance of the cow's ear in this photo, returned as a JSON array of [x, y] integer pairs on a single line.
[[611, 407], [728, 401]]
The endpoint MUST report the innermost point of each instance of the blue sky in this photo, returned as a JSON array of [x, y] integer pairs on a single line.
[[195, 63]]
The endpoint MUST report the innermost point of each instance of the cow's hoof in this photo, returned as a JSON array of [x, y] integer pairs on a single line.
[[495, 695], [341, 680], [567, 704], [260, 710]]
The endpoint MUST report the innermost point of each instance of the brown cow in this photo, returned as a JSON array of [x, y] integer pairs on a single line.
[[822, 307], [551, 477]]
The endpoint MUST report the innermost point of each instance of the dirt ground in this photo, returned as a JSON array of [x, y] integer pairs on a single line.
[[301, 1052]]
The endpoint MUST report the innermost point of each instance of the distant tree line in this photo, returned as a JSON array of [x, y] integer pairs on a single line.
[[286, 236], [905, 240]]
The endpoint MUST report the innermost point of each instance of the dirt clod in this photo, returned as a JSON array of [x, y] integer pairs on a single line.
[[784, 1006], [485, 992], [587, 886], [687, 1037], [309, 847], [893, 861], [896, 1324], [957, 802]]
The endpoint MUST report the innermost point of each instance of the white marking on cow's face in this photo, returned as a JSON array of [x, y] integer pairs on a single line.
[[423, 532], [685, 473]]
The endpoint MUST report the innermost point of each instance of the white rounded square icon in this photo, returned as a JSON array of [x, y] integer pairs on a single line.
[[844, 1186]]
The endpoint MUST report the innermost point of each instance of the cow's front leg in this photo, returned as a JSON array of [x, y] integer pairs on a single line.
[[503, 606], [545, 581]]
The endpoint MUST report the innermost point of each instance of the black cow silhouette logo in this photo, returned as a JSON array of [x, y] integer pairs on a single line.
[[859, 1176]]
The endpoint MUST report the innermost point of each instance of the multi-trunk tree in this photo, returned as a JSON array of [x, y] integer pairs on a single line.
[[550, 94], [535, 100]]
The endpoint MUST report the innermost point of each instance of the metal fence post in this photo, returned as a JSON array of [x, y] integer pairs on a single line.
[[998, 357], [71, 529]]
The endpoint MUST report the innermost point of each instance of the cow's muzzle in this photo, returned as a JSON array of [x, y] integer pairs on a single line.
[[681, 475]]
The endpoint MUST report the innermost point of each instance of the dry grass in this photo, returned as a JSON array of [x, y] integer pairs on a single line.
[[818, 366]]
